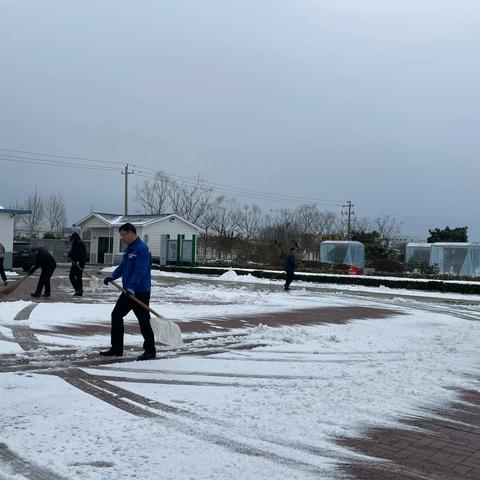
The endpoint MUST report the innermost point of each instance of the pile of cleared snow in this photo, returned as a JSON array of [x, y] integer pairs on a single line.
[[231, 276]]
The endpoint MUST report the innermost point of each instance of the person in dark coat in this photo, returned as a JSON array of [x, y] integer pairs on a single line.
[[78, 255], [290, 266], [2, 269], [47, 263], [136, 274]]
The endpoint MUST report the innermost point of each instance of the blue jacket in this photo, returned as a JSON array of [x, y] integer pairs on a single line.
[[290, 263], [135, 268]]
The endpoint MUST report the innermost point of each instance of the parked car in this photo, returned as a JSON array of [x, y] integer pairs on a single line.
[[22, 256]]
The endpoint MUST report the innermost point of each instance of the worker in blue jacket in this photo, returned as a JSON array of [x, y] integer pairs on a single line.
[[135, 271]]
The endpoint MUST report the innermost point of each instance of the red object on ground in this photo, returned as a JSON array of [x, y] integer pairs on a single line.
[[353, 270]]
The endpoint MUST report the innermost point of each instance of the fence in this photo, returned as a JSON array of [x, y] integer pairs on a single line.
[[57, 247]]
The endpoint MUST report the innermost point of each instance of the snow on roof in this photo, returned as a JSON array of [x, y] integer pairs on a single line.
[[114, 219], [451, 244], [342, 242]]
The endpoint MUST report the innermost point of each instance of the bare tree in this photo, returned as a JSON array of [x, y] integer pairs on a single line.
[[34, 220], [154, 196], [190, 201], [225, 214], [307, 219], [387, 227], [329, 225], [363, 224], [56, 213], [17, 220], [249, 220]]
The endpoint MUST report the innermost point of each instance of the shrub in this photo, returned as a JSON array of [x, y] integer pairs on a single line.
[[387, 265]]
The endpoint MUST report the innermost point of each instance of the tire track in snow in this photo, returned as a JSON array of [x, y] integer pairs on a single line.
[[24, 467], [143, 407]]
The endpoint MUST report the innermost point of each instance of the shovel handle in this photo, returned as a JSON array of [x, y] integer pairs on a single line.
[[135, 299], [116, 285]]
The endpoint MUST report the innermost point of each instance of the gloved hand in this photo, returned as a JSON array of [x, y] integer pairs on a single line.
[[107, 280], [129, 292]]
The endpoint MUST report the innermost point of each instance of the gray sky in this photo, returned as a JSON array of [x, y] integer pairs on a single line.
[[373, 101]]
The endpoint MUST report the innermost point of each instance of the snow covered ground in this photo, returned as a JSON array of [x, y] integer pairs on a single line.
[[261, 402]]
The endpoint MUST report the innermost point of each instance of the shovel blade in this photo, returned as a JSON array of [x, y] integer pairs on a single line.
[[93, 284], [166, 331]]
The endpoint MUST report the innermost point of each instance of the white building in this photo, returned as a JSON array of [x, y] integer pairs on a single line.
[[169, 237], [7, 217]]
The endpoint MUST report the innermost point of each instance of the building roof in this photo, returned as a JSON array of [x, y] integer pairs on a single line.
[[342, 242], [14, 211], [114, 219]]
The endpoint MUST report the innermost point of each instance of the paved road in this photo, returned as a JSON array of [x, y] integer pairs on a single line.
[[446, 446]]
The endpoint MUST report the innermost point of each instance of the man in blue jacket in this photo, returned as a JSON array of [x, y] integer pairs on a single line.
[[135, 271]]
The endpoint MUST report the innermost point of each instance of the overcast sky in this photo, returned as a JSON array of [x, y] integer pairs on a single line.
[[373, 101]]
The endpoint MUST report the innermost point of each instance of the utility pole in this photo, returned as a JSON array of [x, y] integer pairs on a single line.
[[350, 206], [126, 172]]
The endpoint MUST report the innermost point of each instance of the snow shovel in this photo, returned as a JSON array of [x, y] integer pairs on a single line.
[[11, 288], [93, 278], [165, 331]]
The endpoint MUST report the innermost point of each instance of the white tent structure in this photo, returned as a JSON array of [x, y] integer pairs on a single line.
[[456, 258], [419, 252], [342, 252]]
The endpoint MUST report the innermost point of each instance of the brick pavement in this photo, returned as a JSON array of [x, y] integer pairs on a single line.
[[445, 446]]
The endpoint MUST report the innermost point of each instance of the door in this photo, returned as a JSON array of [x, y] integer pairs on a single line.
[[105, 245]]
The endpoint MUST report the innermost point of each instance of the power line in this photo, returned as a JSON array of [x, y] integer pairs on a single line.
[[59, 156], [238, 190], [241, 195], [92, 164], [44, 161]]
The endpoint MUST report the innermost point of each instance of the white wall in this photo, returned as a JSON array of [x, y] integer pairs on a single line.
[[165, 227], [6, 236], [154, 231], [6, 231]]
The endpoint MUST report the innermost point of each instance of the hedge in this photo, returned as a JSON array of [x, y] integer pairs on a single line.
[[427, 285]]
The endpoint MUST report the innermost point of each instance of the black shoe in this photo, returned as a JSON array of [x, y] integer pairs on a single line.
[[147, 356], [78, 294], [111, 353], [35, 294], [46, 295], [5, 283]]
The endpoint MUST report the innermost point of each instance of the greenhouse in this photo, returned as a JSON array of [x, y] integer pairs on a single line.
[[456, 258], [418, 252], [342, 252]]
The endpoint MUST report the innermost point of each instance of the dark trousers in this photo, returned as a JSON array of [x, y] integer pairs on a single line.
[[122, 307], [76, 278], [289, 279], [44, 280], [2, 270]]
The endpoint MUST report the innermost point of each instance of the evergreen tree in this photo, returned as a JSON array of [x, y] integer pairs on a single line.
[[448, 234]]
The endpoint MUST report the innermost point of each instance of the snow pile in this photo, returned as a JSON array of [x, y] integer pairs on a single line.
[[231, 276]]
